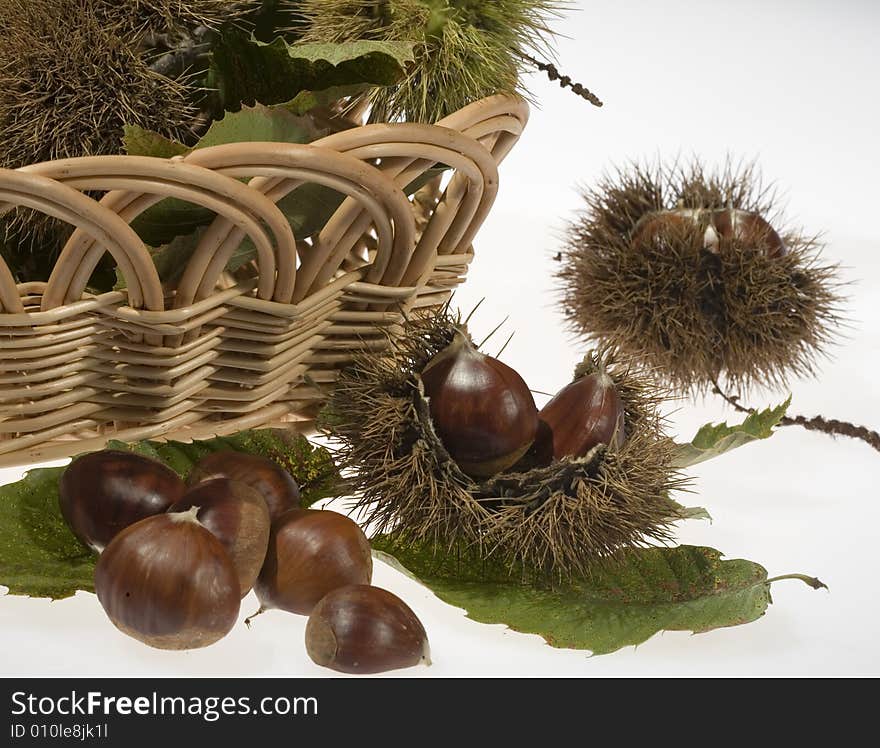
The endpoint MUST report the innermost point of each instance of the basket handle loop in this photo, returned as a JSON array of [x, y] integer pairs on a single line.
[[135, 183], [407, 151], [53, 198], [280, 168]]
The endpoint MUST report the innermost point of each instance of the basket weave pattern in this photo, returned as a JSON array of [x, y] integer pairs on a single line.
[[220, 352]]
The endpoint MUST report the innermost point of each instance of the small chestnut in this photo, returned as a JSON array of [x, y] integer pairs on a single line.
[[362, 629], [311, 552], [237, 515], [104, 492], [717, 225], [664, 223], [750, 227], [482, 410], [583, 414], [278, 489], [168, 582]]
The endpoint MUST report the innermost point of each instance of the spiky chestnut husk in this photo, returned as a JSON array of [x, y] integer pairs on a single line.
[[692, 313], [466, 49], [555, 521], [66, 90], [163, 15]]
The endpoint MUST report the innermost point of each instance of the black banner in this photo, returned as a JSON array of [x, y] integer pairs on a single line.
[[381, 711]]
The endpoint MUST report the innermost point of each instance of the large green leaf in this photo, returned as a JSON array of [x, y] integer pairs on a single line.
[[245, 70], [715, 439], [647, 590], [40, 557], [172, 218]]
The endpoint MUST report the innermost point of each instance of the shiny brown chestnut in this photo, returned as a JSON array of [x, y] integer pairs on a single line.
[[664, 223], [583, 414], [239, 518], [718, 225], [311, 552], [482, 409], [277, 487], [104, 492], [362, 629], [168, 582], [748, 227]]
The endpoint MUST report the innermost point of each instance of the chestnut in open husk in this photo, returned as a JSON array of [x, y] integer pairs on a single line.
[[555, 517], [239, 518], [694, 277], [482, 409], [311, 552], [584, 414], [727, 227], [363, 629], [168, 582], [104, 492], [277, 487]]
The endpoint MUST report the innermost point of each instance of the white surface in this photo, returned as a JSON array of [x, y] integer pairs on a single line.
[[792, 83]]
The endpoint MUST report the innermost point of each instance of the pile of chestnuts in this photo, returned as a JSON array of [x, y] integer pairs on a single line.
[[486, 418], [177, 558]]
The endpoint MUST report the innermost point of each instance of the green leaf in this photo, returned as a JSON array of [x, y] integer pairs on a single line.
[[172, 219], [245, 70], [40, 556], [139, 141], [647, 590], [306, 101], [716, 439]]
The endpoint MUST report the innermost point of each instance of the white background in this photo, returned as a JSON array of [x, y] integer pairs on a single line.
[[793, 83]]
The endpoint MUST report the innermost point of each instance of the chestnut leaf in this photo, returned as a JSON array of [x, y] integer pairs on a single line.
[[40, 556], [715, 439], [646, 590]]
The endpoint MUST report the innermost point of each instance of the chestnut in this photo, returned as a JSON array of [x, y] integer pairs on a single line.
[[104, 492], [363, 629], [278, 489], [664, 223], [748, 226], [168, 582], [311, 552], [482, 410], [239, 518], [583, 414]]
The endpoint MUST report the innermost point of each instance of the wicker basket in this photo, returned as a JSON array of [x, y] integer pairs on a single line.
[[220, 353]]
